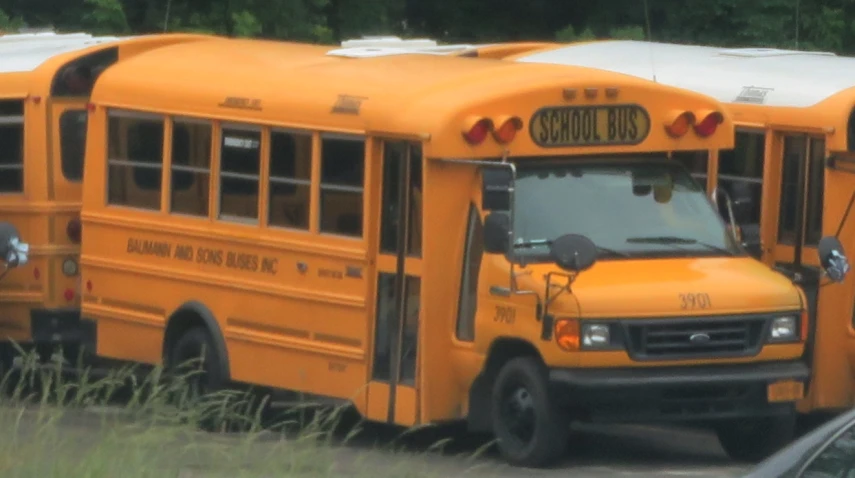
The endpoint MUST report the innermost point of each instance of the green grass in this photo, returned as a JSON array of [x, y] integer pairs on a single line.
[[149, 427]]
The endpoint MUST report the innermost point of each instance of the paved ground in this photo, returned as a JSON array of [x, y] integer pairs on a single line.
[[627, 451]]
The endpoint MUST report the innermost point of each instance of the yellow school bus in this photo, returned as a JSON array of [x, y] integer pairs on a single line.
[[274, 205], [789, 178], [45, 82]]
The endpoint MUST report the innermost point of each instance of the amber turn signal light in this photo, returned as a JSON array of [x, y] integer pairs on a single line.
[[567, 334], [678, 123], [507, 130]]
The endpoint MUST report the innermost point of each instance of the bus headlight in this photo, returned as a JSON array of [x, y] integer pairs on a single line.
[[784, 329], [596, 336]]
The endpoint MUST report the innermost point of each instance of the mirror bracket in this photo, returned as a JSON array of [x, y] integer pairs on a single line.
[[729, 206], [550, 298]]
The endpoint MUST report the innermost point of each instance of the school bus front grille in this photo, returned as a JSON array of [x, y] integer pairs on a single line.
[[695, 338]]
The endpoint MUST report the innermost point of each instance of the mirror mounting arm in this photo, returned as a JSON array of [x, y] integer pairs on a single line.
[[729, 205]]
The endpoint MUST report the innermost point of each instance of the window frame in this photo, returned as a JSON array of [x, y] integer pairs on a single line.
[[293, 181], [221, 137], [212, 125], [16, 120], [112, 112], [364, 139]]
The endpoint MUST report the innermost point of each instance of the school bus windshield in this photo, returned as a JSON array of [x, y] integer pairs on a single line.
[[648, 208]]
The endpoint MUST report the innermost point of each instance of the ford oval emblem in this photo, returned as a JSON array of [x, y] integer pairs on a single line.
[[699, 338]]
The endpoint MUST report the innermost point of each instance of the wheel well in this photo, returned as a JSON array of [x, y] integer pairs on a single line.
[[190, 316], [501, 351]]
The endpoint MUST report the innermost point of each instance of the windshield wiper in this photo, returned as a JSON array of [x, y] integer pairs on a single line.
[[547, 242], [676, 240]]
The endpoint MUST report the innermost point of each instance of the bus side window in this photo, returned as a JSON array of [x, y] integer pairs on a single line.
[[72, 143], [468, 304], [414, 243], [740, 173], [696, 162], [135, 160], [290, 179], [191, 167], [342, 176], [240, 168], [815, 188], [11, 146]]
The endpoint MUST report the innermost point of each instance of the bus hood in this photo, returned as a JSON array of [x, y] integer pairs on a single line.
[[672, 287]]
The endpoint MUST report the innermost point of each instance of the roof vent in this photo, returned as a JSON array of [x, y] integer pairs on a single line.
[[370, 47], [389, 41], [769, 52]]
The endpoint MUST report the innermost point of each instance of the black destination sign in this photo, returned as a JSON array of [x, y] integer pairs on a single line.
[[567, 126]]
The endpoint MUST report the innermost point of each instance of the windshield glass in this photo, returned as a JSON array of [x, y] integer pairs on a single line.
[[642, 207]]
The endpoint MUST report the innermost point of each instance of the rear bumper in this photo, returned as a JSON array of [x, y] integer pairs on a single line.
[[675, 393], [59, 326]]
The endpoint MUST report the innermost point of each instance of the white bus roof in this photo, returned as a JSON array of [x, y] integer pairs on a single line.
[[765, 76], [23, 52]]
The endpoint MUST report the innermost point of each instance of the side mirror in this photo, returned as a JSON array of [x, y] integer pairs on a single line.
[[832, 257], [573, 252], [12, 250], [497, 227], [496, 187]]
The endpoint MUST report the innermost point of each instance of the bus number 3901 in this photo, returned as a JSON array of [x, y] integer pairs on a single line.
[[692, 300]]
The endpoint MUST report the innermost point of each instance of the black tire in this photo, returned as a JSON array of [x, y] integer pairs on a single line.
[[189, 348], [202, 379], [521, 394], [755, 439]]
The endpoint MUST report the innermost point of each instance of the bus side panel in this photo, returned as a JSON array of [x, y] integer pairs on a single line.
[[834, 357], [285, 325], [26, 288]]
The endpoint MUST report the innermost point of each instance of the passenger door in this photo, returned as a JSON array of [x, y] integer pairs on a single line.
[[800, 211], [393, 389]]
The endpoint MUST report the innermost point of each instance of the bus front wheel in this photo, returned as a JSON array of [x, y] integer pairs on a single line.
[[754, 439], [531, 431]]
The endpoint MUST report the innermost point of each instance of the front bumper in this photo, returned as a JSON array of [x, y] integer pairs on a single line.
[[674, 393]]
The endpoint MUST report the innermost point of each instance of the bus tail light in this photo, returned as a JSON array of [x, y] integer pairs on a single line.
[[709, 123], [90, 107], [677, 123], [73, 230], [476, 130], [508, 127], [567, 334]]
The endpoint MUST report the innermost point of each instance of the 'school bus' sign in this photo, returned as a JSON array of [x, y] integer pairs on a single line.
[[567, 126]]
